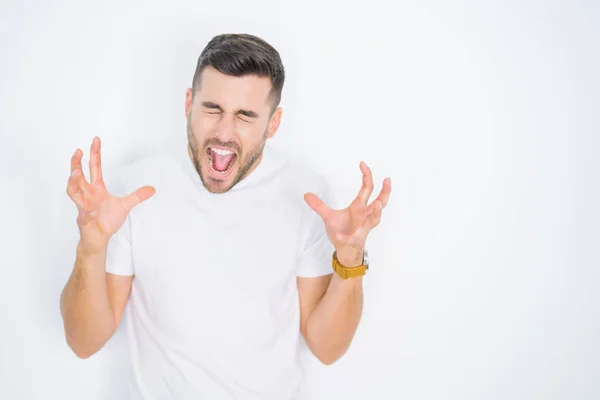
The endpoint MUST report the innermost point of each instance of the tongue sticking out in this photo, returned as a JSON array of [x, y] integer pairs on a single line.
[[221, 163]]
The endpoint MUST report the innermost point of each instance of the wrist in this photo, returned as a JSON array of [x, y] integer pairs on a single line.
[[85, 250], [350, 256]]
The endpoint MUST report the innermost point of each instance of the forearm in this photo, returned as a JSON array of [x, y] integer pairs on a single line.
[[85, 306], [332, 324]]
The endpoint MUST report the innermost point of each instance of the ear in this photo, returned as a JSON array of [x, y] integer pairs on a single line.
[[188, 102], [274, 123]]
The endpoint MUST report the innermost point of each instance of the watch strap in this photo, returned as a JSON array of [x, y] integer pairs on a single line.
[[347, 272]]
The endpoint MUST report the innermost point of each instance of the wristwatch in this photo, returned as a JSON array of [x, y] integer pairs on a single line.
[[350, 272]]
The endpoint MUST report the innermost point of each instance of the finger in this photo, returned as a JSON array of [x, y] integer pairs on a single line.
[[375, 216], [77, 171], [95, 161], [135, 198], [73, 185], [82, 183], [367, 184], [317, 205], [76, 160], [73, 189], [384, 195]]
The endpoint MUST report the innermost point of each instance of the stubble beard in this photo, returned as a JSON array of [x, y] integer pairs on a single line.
[[246, 163]]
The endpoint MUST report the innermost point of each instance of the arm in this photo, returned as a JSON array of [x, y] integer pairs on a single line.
[[331, 307], [330, 310], [92, 303]]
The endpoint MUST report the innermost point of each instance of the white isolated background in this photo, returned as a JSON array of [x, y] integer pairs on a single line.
[[485, 114]]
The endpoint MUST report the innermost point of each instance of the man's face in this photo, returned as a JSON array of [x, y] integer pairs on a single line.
[[228, 123]]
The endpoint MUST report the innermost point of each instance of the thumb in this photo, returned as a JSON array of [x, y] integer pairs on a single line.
[[317, 205], [135, 198]]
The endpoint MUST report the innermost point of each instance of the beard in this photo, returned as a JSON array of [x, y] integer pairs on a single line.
[[245, 161]]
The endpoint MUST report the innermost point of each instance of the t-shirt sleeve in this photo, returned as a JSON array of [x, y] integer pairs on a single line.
[[119, 255], [316, 249], [119, 258]]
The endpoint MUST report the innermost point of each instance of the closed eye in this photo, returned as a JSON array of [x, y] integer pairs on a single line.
[[213, 107]]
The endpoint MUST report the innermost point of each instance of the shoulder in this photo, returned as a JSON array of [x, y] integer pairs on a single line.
[[296, 179], [299, 176]]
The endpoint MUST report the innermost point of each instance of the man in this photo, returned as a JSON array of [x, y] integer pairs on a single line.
[[225, 266]]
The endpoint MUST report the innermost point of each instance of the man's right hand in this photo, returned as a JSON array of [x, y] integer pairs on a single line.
[[100, 213]]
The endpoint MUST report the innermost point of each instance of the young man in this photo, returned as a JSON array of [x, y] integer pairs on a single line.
[[225, 266]]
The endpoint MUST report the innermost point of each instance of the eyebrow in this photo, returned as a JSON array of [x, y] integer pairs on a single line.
[[215, 106]]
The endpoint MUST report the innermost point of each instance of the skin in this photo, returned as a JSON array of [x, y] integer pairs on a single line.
[[93, 301], [331, 307], [233, 113]]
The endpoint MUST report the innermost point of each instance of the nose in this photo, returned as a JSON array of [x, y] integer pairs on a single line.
[[225, 128]]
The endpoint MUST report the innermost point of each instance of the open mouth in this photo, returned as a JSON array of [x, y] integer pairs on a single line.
[[220, 160]]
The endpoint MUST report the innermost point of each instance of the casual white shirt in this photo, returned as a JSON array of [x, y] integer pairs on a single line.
[[213, 311]]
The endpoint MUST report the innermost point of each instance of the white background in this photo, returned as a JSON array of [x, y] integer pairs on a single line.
[[485, 114]]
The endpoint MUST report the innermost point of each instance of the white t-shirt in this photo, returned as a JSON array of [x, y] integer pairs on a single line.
[[213, 311]]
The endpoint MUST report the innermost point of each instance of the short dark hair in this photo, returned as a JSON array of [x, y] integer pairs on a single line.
[[239, 54]]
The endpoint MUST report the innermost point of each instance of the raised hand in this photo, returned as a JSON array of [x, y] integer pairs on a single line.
[[348, 228], [100, 213]]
